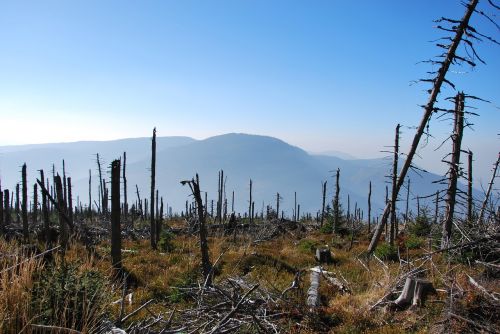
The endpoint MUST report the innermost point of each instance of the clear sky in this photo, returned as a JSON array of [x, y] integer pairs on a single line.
[[322, 75]]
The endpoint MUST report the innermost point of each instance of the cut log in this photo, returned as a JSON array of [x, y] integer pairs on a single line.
[[313, 292], [407, 294], [323, 255]]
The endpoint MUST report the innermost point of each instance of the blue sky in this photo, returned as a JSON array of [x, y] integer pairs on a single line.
[[322, 75]]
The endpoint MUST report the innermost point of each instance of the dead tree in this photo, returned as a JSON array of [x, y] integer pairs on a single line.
[[394, 195], [470, 208], [460, 28], [160, 220], [407, 201], [277, 205], [63, 229], [490, 186], [6, 201], [139, 201], [25, 205], [219, 197], [206, 265], [70, 201], [65, 189], [157, 219], [45, 210], [232, 202], [16, 208], [295, 206], [90, 193], [35, 203], [152, 209], [125, 202], [323, 186], [250, 203], [101, 186], [336, 203], [436, 209], [369, 206], [454, 171], [116, 239]]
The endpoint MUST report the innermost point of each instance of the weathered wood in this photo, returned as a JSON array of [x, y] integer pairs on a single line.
[[63, 229], [490, 186], [116, 239], [152, 203], [394, 195], [313, 291], [25, 205], [414, 292], [323, 204], [323, 255], [428, 111], [454, 171], [45, 210]]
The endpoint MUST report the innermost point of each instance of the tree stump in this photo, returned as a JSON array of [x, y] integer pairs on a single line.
[[323, 255], [414, 292]]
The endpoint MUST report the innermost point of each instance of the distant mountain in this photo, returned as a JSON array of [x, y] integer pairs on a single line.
[[333, 153], [273, 165]]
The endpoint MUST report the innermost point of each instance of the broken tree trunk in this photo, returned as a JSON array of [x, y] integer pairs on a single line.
[[25, 205], [250, 203], [101, 187], [206, 265], [323, 186], [394, 195], [70, 202], [35, 203], [336, 203], [470, 208], [369, 206], [428, 110], [454, 171], [63, 229], [125, 202], [313, 291], [414, 292], [116, 239], [6, 208], [152, 203], [45, 210]]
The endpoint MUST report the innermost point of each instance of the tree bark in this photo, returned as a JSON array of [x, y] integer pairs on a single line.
[[152, 203], [116, 238]]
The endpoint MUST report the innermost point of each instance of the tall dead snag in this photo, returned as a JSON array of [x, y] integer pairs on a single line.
[[157, 219], [448, 58], [25, 204], [206, 266], [394, 196], [219, 197], [436, 209], [63, 229], [336, 202], [470, 208], [90, 193], [16, 208], [488, 192], [35, 203], [65, 189], [45, 210], [295, 206], [323, 186], [101, 186], [278, 205], [250, 203], [369, 207], [454, 171], [116, 239], [125, 203], [70, 202], [152, 203], [6, 208]]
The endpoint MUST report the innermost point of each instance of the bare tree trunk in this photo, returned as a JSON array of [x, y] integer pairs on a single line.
[[407, 201], [490, 185], [2, 227], [295, 206], [125, 202], [152, 204], [278, 205], [232, 203], [323, 186], [394, 197], [35, 203], [116, 238], [90, 193], [6, 200], [17, 203], [70, 202], [469, 189], [45, 211], [336, 204], [63, 229], [65, 189], [369, 207], [454, 170], [101, 187], [250, 203], [206, 265], [25, 205], [436, 209], [428, 110]]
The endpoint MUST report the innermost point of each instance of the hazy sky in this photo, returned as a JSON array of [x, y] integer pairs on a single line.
[[322, 75]]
